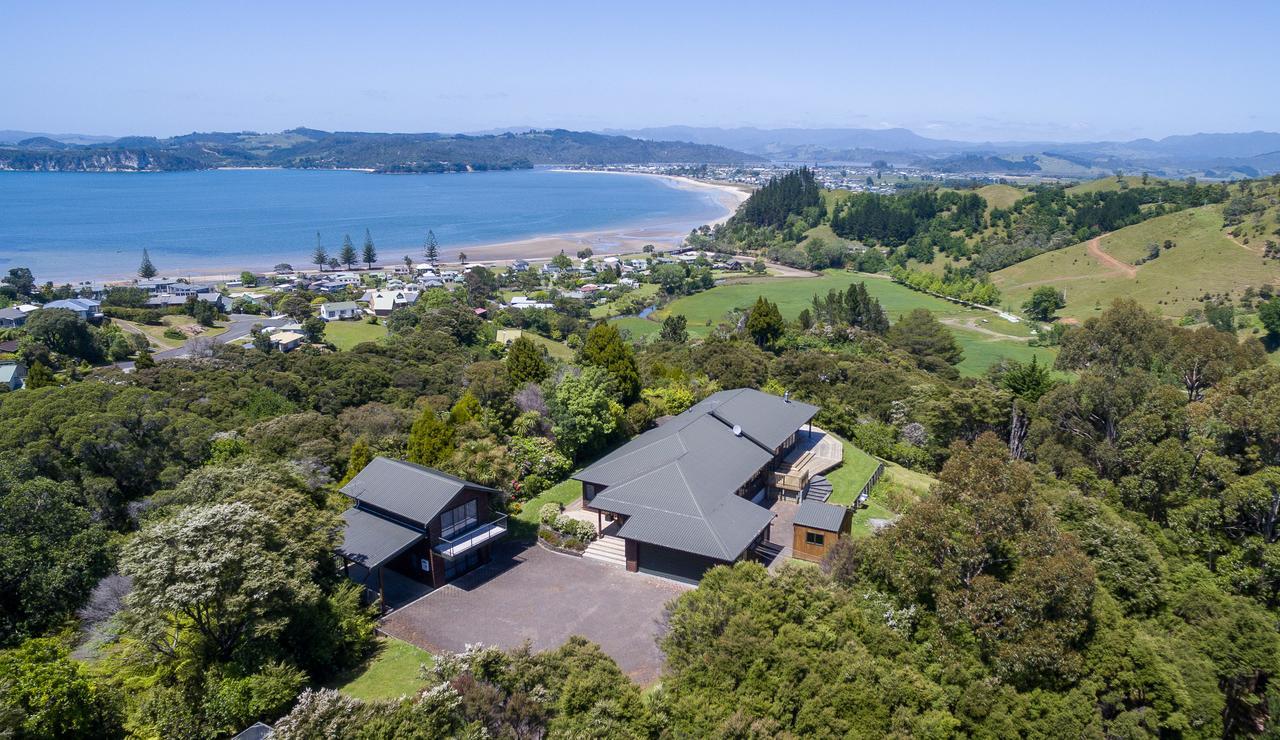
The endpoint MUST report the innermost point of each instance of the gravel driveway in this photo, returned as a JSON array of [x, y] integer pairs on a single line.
[[528, 593]]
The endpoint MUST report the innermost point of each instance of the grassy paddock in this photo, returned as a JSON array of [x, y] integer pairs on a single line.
[[1205, 260], [707, 309]]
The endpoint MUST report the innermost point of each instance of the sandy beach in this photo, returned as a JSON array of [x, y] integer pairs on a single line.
[[620, 240], [612, 241]]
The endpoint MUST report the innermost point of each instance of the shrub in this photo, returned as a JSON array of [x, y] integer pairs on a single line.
[[549, 513]]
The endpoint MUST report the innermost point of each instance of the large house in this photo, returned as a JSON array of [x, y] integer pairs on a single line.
[[688, 495], [417, 522], [86, 308]]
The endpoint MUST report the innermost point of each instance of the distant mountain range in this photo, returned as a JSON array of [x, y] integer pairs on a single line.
[[315, 149], [1206, 155], [1223, 155]]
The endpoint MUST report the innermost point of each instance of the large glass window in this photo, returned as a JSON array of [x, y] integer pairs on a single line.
[[458, 519]]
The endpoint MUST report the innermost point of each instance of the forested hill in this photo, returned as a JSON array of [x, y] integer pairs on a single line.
[[310, 148]]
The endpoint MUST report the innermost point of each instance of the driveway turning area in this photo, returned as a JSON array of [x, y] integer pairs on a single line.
[[544, 597]]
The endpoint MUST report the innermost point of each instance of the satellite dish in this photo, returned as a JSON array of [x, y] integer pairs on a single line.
[[737, 430]]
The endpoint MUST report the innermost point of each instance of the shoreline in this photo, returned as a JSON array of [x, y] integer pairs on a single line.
[[623, 239]]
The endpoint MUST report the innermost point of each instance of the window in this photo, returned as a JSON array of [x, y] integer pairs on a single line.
[[815, 538], [458, 519]]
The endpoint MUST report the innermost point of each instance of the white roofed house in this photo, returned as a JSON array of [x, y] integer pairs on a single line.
[[383, 302], [339, 311]]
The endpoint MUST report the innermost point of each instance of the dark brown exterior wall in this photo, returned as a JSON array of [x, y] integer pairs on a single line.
[[433, 530], [633, 556]]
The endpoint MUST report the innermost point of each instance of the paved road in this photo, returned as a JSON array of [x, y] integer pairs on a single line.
[[239, 325]]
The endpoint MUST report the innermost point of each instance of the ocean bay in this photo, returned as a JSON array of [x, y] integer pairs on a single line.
[[71, 226]]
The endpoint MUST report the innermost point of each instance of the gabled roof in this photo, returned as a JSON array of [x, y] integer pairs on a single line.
[[677, 484], [411, 491], [820, 515], [75, 304], [371, 540]]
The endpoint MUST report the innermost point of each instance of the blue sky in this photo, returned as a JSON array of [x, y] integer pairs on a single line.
[[967, 70]]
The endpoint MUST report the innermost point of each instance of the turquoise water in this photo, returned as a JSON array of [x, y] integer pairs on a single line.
[[68, 226]]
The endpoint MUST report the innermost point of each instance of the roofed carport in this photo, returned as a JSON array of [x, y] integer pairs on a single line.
[[370, 541]]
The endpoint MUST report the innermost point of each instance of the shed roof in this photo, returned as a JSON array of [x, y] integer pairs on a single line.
[[412, 491], [820, 515], [372, 540]]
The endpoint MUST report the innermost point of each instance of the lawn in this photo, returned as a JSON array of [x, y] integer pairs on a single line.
[[848, 479], [625, 303], [640, 330], [1000, 196], [1204, 260], [558, 350], [705, 310], [156, 333], [347, 334], [393, 671], [525, 524]]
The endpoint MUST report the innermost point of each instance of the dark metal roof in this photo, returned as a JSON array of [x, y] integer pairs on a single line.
[[677, 483], [820, 515], [371, 540], [405, 489]]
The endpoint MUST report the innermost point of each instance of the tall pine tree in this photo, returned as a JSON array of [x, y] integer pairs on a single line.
[[320, 257], [348, 254], [146, 270], [369, 254], [431, 249]]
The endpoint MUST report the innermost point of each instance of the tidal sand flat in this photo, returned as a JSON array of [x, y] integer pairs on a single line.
[[71, 226]]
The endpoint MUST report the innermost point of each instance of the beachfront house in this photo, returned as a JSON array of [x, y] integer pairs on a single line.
[[86, 308], [155, 285], [416, 522], [340, 311], [691, 494]]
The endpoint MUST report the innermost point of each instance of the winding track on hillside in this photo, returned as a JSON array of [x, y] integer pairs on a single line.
[[1095, 250]]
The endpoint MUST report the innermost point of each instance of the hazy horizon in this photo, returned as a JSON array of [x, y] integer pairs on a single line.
[[1053, 72]]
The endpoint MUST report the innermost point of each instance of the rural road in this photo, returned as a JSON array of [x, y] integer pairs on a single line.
[[1095, 250]]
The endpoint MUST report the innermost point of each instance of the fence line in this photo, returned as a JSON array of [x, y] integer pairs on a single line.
[[866, 489]]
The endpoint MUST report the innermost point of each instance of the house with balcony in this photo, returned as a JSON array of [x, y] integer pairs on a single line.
[[693, 493], [410, 521]]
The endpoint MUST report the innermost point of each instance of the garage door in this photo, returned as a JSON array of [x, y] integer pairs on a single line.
[[673, 564]]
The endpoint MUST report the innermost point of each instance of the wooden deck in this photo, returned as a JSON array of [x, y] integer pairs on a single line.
[[816, 452]]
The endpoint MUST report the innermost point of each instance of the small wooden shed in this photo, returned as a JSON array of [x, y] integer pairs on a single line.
[[817, 527]]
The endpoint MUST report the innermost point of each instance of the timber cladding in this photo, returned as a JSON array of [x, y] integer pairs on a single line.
[[812, 544]]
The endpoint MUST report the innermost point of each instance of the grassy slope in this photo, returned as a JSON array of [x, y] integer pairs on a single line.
[[558, 350], [705, 310], [1204, 260], [896, 486], [1000, 196], [346, 334], [848, 479], [392, 672]]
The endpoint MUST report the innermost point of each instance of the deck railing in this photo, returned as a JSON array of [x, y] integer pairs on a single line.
[[459, 544]]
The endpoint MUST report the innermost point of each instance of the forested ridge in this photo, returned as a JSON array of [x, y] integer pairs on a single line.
[[312, 149], [1097, 558]]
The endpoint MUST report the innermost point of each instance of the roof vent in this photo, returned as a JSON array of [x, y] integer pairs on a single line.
[[737, 430]]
